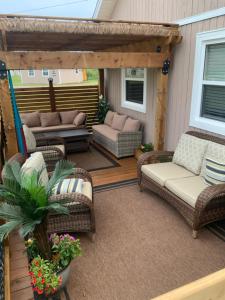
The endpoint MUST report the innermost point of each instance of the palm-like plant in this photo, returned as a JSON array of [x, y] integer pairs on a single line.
[[26, 202]]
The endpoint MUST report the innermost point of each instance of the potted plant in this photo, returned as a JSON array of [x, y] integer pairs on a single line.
[[49, 276], [26, 202], [103, 108], [143, 148]]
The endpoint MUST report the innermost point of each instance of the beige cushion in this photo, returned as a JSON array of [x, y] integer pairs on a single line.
[[213, 151], [31, 119], [79, 119], [36, 162], [29, 138], [87, 189], [67, 117], [49, 119], [161, 172], [107, 131], [109, 118], [60, 147], [189, 153], [188, 189], [118, 121], [131, 125], [53, 128]]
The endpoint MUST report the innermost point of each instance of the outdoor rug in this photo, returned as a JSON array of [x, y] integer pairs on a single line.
[[93, 160], [218, 228], [143, 248]]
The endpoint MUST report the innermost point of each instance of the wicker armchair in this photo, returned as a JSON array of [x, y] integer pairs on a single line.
[[81, 207], [210, 204], [51, 153]]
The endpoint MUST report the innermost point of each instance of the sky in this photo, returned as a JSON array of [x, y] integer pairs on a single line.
[[64, 8]]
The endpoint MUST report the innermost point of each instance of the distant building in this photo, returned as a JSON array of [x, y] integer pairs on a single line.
[[32, 76]]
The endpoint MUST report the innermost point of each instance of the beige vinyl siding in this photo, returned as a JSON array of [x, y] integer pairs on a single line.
[[162, 10], [181, 72]]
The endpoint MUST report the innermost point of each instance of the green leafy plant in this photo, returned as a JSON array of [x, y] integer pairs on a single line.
[[65, 248], [44, 279], [147, 147], [103, 108], [26, 202]]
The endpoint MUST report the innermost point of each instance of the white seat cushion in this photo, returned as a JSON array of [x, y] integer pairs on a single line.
[[188, 189], [60, 147], [189, 153], [161, 172], [36, 163], [29, 138]]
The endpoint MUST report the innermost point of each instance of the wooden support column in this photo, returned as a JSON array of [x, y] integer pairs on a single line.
[[101, 82], [8, 118], [161, 106], [52, 95]]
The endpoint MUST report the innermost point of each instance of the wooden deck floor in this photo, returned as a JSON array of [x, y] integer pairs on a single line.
[[20, 281]]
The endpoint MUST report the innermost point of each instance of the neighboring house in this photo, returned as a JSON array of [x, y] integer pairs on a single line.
[[59, 76], [196, 98]]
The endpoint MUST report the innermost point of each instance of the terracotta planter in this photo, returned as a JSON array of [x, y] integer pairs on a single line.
[[65, 276]]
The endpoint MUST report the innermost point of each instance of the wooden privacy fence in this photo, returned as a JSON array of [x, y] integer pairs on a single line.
[[59, 98]]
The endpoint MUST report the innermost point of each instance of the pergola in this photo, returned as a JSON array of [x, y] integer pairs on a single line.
[[65, 43]]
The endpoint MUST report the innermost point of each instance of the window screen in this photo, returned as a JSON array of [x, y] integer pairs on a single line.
[[134, 85], [213, 96]]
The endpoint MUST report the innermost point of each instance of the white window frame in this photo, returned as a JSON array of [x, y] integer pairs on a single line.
[[128, 104], [43, 75], [31, 76], [196, 120]]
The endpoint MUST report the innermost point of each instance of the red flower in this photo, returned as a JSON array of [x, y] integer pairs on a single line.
[[39, 292], [43, 280], [39, 274]]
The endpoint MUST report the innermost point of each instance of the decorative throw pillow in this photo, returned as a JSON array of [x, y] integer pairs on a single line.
[[70, 185], [118, 121], [36, 163], [214, 172], [49, 119], [67, 117], [189, 153], [214, 151], [131, 125], [79, 119], [109, 117], [31, 119], [29, 138]]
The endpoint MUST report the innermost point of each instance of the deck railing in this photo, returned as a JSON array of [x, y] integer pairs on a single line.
[[59, 98]]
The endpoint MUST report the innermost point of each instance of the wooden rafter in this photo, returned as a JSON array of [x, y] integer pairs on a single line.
[[69, 60]]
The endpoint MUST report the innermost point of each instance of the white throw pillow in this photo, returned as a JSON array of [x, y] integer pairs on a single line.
[[36, 162], [189, 153], [29, 137]]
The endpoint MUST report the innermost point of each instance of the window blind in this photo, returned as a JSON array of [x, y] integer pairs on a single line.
[[135, 91], [213, 102], [215, 62]]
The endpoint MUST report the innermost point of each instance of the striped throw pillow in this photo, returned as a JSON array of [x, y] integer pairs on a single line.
[[214, 172], [70, 185]]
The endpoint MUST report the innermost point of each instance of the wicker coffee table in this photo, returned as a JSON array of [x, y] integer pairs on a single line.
[[74, 140]]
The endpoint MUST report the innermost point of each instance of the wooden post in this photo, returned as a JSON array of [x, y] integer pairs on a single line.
[[7, 115], [52, 95], [101, 82], [161, 106]]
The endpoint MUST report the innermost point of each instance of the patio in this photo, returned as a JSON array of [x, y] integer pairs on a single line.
[[143, 248]]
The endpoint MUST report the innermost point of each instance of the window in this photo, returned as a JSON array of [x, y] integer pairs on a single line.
[[208, 95], [134, 89], [45, 72], [31, 73]]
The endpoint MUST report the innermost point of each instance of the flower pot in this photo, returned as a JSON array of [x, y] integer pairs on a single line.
[[65, 276], [138, 153]]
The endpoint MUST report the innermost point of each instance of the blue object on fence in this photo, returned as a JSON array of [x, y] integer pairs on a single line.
[[18, 123]]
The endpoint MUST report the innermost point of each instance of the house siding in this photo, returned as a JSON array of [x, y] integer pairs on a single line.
[[181, 72]]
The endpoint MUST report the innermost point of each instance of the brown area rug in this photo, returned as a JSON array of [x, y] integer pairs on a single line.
[[93, 160], [143, 248]]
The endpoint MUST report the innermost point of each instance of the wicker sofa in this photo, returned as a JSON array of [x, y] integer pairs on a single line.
[[186, 189], [40, 122], [119, 134]]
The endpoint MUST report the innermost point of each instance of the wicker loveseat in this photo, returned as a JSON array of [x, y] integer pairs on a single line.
[[119, 134], [198, 202]]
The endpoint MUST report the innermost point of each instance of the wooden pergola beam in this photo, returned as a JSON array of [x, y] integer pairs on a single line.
[[24, 60]]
